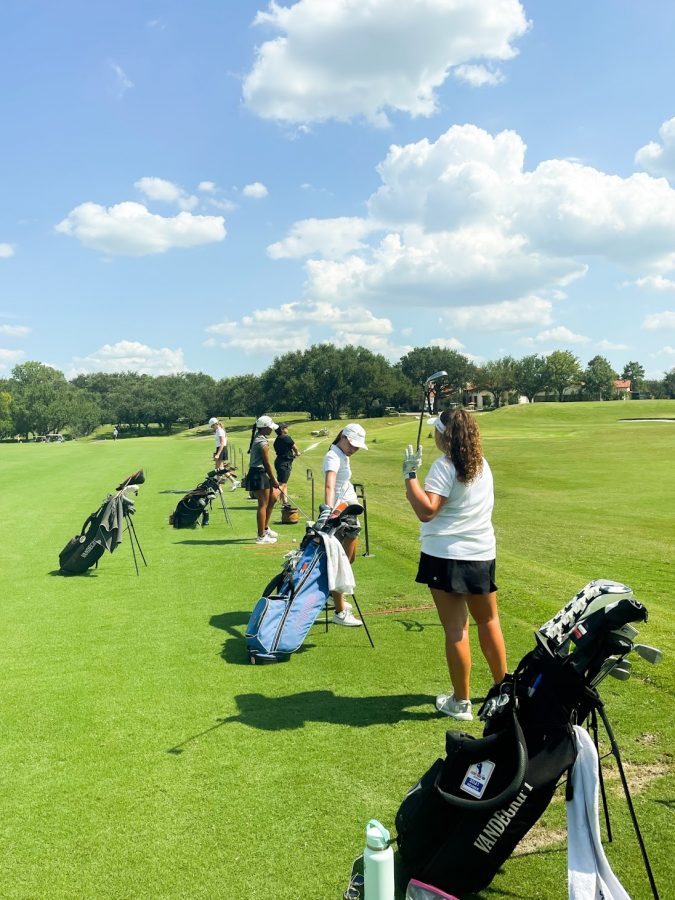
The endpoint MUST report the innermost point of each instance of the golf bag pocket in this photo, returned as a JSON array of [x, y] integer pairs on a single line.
[[465, 816], [79, 554], [264, 627]]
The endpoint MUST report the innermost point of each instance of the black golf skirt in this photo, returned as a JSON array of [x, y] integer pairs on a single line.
[[457, 576], [283, 470], [257, 480], [223, 456]]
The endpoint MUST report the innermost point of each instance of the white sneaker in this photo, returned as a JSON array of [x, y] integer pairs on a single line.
[[271, 533], [458, 709], [235, 485], [266, 539], [346, 618]]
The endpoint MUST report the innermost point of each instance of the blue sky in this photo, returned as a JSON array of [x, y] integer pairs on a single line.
[[204, 186]]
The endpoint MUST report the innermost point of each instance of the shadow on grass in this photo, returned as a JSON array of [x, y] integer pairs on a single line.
[[246, 540], [412, 626], [88, 573], [296, 710]]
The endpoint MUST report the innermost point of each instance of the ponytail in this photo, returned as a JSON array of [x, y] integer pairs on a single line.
[[253, 431]]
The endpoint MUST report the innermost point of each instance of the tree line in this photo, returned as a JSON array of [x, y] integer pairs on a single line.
[[325, 381]]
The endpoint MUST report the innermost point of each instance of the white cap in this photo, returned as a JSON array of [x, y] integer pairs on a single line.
[[356, 436], [436, 422], [265, 422], [213, 420]]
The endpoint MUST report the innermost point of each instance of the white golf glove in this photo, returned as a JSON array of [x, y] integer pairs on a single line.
[[412, 460]]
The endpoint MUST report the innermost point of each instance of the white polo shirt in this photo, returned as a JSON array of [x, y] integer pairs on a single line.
[[337, 461], [462, 528]]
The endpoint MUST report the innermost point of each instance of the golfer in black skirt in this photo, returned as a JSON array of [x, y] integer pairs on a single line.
[[458, 550]]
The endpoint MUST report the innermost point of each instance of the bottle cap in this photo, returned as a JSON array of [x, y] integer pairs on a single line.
[[377, 836]]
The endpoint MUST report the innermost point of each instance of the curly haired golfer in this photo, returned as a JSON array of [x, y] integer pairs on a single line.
[[457, 561]]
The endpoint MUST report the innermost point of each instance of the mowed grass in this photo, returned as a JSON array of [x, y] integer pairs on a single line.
[[143, 757]]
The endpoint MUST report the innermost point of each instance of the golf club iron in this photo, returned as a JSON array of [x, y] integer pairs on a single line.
[[621, 671]]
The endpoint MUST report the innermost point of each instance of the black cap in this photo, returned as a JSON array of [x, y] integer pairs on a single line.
[[283, 424]]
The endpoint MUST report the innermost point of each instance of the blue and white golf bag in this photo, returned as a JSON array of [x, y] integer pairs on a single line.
[[290, 604]]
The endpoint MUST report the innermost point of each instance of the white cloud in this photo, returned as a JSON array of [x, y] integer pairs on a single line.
[[331, 238], [666, 351], [206, 186], [165, 192], [659, 159], [507, 316], [257, 190], [6, 250], [459, 222], [293, 326], [447, 343], [322, 66], [9, 358], [14, 330], [477, 76], [129, 229], [560, 335], [658, 321], [131, 356], [610, 345], [653, 283], [121, 81]]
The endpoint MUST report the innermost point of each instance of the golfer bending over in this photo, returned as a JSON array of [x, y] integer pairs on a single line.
[[220, 455], [338, 487], [260, 479], [457, 561]]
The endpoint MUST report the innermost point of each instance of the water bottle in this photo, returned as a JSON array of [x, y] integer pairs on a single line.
[[378, 863]]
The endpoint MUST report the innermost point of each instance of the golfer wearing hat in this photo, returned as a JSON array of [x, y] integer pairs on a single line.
[[286, 451], [337, 487], [220, 454], [261, 480], [457, 561]]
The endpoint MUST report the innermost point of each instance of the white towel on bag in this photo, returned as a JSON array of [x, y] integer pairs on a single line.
[[589, 876], [340, 575]]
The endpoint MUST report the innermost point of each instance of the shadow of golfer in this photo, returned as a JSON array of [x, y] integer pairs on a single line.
[[296, 710]]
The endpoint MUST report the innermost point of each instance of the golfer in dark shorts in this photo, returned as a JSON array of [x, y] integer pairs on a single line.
[[286, 451], [458, 550]]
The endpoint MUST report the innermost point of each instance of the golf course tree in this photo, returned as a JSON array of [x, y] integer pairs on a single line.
[[421, 362], [634, 373], [6, 421], [174, 401], [599, 378], [239, 395], [669, 384], [530, 375], [39, 398], [374, 382], [497, 376], [563, 370], [201, 390]]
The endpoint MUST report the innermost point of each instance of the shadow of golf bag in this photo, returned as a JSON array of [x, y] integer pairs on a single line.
[[465, 816], [100, 531], [195, 506], [295, 597]]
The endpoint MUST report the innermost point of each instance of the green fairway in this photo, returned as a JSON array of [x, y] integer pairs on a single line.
[[143, 757]]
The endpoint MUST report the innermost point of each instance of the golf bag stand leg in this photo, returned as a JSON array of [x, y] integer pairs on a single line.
[[225, 510], [358, 609], [133, 537], [617, 756], [593, 726]]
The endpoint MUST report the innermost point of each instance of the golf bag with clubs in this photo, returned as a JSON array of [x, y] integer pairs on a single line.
[[295, 597], [195, 506], [102, 530], [465, 816]]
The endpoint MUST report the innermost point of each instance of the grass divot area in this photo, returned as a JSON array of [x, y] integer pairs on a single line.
[[143, 756]]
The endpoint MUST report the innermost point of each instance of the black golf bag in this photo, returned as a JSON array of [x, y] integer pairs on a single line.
[[465, 816], [195, 506], [100, 531], [293, 600]]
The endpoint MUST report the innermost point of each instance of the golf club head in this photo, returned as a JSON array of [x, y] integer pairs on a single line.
[[435, 377], [135, 478], [650, 654], [621, 671], [626, 631]]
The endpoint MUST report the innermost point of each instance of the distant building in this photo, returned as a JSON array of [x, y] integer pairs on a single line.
[[622, 387]]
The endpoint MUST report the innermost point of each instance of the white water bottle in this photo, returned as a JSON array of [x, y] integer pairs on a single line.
[[378, 863]]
